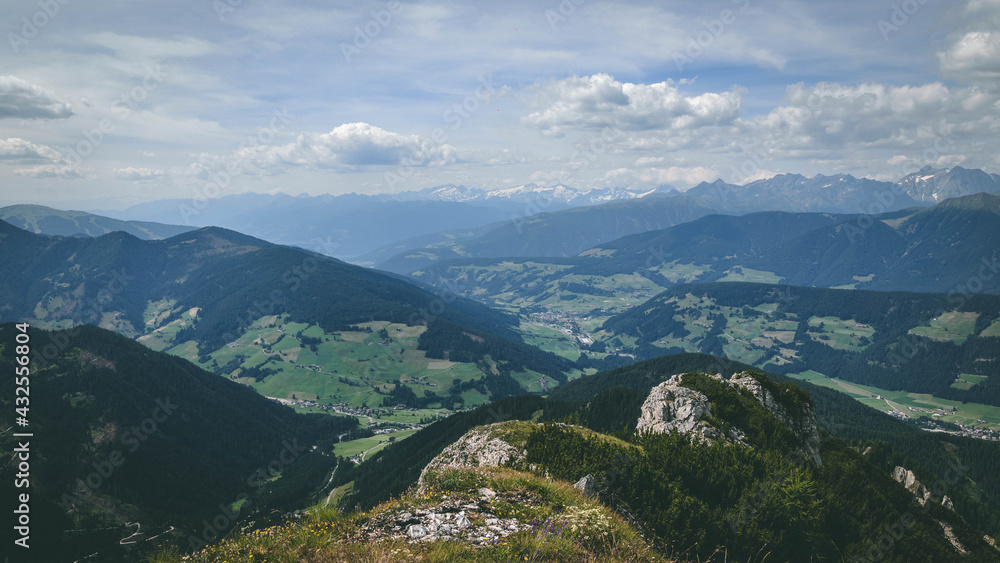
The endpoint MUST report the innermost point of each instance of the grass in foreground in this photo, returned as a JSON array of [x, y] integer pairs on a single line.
[[553, 522]]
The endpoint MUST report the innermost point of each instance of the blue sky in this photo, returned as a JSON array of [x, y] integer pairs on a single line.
[[105, 104]]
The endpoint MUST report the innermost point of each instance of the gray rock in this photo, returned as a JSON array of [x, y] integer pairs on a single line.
[[487, 493], [416, 532], [587, 485], [802, 424], [906, 478], [670, 408], [475, 449]]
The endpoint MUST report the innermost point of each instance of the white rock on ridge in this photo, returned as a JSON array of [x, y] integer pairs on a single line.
[[802, 424], [672, 408], [475, 449], [909, 481]]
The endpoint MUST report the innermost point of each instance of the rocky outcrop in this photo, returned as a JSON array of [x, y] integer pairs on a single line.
[[801, 423], [909, 481], [484, 446], [587, 486], [949, 534], [671, 407], [477, 448], [473, 520]]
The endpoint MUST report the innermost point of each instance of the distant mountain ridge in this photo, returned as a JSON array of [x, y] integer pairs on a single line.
[[950, 247], [555, 195], [201, 291], [935, 185], [48, 221], [544, 234]]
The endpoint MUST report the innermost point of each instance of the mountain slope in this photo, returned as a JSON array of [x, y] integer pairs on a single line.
[[684, 495], [933, 185], [952, 246], [202, 294], [344, 226], [915, 342], [946, 248], [47, 221], [558, 233], [125, 434]]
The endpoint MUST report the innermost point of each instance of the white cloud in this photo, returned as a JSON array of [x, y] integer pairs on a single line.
[[131, 174], [599, 101], [648, 160], [674, 175], [975, 54], [52, 171], [972, 51], [349, 146], [17, 149], [24, 100], [151, 48], [871, 115]]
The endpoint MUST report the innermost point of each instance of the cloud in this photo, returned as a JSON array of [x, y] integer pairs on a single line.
[[52, 171], [20, 150], [975, 54], [131, 174], [150, 48], [871, 115], [21, 99], [973, 49], [674, 175], [351, 146], [599, 101], [648, 160]]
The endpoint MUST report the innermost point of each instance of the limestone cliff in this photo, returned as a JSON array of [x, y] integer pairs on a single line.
[[672, 407]]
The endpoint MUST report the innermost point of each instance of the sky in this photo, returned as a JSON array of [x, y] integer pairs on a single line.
[[105, 104]]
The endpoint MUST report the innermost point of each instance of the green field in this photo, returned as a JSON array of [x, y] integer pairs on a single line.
[[162, 322], [949, 327], [751, 335], [355, 367], [741, 274], [515, 285], [370, 445], [912, 405], [681, 273], [968, 381], [841, 334], [992, 331]]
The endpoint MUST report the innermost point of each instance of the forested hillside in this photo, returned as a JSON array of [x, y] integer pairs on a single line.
[[643, 471], [125, 434], [893, 340]]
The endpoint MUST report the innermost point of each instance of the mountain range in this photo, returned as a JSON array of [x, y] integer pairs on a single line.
[[384, 229], [544, 374], [563, 233], [948, 248], [45, 220], [294, 324]]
